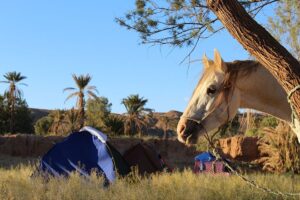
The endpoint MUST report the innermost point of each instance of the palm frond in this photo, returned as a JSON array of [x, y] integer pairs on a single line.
[[82, 80], [92, 87], [72, 95], [92, 95], [24, 84], [68, 88]]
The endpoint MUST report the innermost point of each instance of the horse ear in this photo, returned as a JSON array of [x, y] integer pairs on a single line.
[[219, 63], [205, 61]]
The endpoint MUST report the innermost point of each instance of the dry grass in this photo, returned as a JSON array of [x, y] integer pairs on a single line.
[[15, 183], [280, 149]]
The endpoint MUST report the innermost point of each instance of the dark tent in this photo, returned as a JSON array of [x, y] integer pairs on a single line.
[[83, 152], [145, 158]]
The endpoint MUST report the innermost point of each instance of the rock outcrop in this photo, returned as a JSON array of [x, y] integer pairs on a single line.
[[240, 148]]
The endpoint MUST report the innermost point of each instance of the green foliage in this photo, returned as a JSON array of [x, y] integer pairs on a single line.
[[114, 125], [269, 121], [58, 125], [136, 118], [58, 122], [285, 26], [97, 111], [258, 123], [253, 132], [22, 118], [13, 94], [177, 22], [72, 120], [42, 126], [231, 128]]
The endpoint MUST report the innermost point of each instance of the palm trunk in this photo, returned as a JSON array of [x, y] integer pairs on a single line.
[[12, 108], [81, 111], [257, 41], [12, 111]]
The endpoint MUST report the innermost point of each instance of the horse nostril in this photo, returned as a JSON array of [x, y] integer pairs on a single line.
[[182, 129]]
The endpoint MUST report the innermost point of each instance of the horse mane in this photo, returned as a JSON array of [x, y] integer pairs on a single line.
[[242, 67], [238, 68], [234, 69]]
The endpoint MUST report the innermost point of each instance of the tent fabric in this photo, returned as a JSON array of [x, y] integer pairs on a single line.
[[84, 152], [101, 136], [121, 165], [145, 158], [207, 163], [205, 157]]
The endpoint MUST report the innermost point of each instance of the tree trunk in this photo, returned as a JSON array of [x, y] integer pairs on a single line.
[[12, 100], [259, 42], [12, 112], [81, 110]]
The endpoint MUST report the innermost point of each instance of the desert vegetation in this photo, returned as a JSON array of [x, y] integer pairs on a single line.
[[17, 183]]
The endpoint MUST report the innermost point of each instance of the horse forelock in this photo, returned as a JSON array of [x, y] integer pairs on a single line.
[[236, 69]]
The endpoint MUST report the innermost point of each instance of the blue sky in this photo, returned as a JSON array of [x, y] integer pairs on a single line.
[[49, 40]]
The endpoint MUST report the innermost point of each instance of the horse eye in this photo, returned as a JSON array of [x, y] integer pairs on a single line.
[[211, 90]]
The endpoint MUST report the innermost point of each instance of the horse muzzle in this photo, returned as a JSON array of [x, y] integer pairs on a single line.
[[188, 131]]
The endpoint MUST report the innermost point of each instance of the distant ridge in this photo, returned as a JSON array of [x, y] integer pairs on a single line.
[[37, 113]]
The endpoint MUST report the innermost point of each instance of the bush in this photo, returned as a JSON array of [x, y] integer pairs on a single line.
[[22, 116], [280, 150], [269, 121], [253, 132], [42, 126], [114, 125]]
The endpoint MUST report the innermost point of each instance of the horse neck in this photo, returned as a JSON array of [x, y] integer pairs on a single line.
[[260, 91]]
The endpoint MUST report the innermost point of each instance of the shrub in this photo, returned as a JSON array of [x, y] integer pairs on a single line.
[[280, 150], [253, 132], [42, 126], [114, 125], [269, 121]]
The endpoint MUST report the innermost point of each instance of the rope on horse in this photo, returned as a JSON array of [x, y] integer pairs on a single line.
[[294, 114]]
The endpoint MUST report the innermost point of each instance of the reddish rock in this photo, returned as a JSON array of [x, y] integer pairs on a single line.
[[240, 148]]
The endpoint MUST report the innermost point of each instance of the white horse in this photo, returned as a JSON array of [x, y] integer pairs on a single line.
[[224, 88]]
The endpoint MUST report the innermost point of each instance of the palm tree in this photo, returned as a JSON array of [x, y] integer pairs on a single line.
[[58, 121], [135, 118], [13, 79], [82, 82], [72, 119]]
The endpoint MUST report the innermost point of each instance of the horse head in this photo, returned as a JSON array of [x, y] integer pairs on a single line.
[[215, 101]]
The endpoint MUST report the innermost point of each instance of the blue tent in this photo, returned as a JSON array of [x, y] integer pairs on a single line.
[[205, 157], [84, 151]]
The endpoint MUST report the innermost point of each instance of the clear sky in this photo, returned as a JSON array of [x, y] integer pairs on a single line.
[[49, 40]]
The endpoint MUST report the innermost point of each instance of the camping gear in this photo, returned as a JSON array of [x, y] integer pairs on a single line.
[[146, 159], [207, 163], [84, 152]]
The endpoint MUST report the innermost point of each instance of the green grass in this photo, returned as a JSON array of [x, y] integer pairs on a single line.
[[15, 183]]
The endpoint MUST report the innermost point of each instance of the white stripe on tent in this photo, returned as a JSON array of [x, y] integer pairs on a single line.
[[101, 136], [51, 169], [104, 159]]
